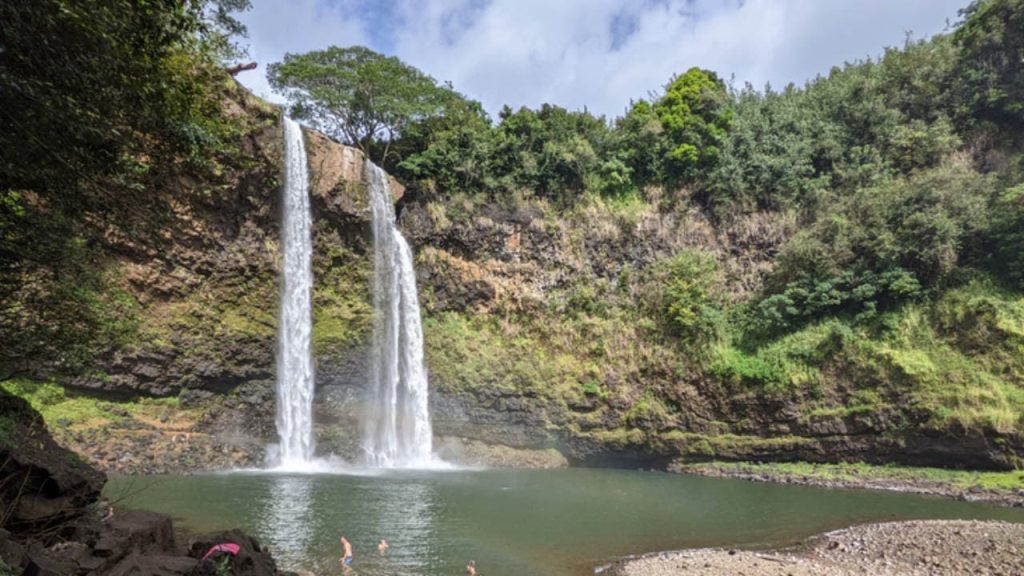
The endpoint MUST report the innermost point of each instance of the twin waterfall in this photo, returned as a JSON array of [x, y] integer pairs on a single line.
[[397, 430]]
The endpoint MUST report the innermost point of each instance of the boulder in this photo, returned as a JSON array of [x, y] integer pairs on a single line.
[[137, 564], [43, 485], [135, 531]]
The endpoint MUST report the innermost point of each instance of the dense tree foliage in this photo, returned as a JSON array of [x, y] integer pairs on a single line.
[[357, 95], [97, 98], [888, 163], [694, 114], [991, 60]]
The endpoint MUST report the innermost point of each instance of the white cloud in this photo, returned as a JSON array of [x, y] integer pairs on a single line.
[[277, 27], [567, 52]]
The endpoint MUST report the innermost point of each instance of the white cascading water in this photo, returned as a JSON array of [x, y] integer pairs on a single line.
[[295, 353], [397, 427]]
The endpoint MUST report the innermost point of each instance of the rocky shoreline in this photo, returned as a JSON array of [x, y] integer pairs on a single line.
[[918, 548], [53, 522], [756, 473]]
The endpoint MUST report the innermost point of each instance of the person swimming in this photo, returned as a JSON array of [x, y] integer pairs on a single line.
[[471, 568], [346, 558], [382, 546]]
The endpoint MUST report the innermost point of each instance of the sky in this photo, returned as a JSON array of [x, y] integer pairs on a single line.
[[592, 54]]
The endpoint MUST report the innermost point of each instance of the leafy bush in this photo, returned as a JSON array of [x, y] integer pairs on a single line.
[[879, 247], [1008, 234], [684, 290]]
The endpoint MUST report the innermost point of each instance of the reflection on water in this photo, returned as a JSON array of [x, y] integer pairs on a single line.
[[541, 523], [403, 514], [287, 519], [301, 518]]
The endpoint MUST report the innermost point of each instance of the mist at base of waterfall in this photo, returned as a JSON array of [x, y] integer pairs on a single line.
[[333, 464]]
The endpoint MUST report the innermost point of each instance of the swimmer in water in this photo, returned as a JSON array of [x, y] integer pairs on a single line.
[[346, 557]]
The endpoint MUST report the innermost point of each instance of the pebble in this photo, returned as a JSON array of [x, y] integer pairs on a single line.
[[917, 548]]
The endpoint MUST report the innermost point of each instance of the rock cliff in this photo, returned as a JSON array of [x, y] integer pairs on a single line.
[[540, 331]]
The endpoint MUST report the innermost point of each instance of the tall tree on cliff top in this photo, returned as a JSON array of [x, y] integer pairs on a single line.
[[695, 115], [357, 95]]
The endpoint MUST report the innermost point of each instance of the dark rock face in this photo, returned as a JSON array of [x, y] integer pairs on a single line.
[[55, 526], [507, 421], [43, 486], [207, 281]]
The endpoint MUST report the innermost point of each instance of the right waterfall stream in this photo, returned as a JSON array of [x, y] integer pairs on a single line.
[[397, 432]]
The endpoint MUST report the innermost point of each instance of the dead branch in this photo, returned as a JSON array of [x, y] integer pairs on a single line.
[[241, 68]]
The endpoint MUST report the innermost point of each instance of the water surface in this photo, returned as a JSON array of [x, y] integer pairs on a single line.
[[514, 522]]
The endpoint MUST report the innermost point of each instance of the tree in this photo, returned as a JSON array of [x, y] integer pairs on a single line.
[[357, 95], [451, 152], [695, 114], [685, 292], [641, 144], [552, 151], [991, 41]]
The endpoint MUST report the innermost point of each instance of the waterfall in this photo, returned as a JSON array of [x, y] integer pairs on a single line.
[[397, 427], [295, 354]]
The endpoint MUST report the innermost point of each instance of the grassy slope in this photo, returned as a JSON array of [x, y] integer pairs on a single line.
[[958, 359], [597, 351], [861, 474]]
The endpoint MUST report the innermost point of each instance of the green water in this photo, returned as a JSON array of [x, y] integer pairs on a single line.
[[513, 522]]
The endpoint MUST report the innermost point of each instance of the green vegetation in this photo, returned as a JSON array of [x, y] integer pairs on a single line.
[[688, 282], [992, 50], [63, 409], [862, 474], [956, 359], [477, 356], [342, 308]]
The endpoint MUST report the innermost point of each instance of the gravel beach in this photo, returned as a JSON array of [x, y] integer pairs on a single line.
[[918, 548]]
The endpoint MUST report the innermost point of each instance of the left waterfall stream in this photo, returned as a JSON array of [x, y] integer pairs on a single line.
[[294, 347]]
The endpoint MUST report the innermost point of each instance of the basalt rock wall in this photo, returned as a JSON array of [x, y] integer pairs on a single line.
[[538, 326]]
